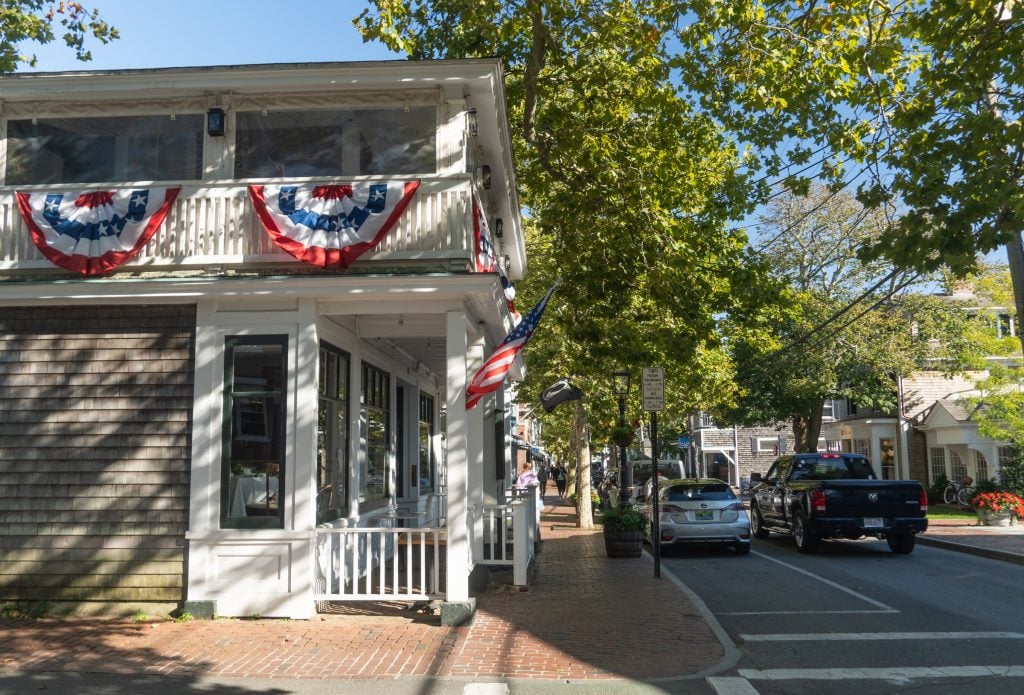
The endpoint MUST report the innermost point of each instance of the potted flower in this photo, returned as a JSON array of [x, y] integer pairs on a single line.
[[998, 508], [622, 434], [623, 531]]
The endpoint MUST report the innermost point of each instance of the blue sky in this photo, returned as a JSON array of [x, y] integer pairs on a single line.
[[218, 32]]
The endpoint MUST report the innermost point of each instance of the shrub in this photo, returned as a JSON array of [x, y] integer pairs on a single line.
[[622, 518], [936, 489]]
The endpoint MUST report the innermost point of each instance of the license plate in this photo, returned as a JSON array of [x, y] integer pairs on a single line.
[[704, 515], [873, 522]]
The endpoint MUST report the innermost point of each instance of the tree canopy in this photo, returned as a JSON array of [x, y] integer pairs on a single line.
[[39, 21], [627, 187]]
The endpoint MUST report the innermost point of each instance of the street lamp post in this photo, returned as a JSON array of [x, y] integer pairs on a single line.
[[620, 381]]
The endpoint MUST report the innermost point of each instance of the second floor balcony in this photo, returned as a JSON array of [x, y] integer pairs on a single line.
[[213, 226], [208, 142]]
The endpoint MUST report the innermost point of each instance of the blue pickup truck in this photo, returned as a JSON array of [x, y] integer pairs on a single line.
[[830, 496]]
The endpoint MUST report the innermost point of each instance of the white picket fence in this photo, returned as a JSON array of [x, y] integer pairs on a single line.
[[409, 564]]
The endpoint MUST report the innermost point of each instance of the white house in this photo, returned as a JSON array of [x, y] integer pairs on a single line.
[[239, 307]]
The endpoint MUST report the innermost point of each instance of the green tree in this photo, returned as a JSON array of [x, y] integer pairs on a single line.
[[627, 187], [841, 328], [39, 21], [917, 104]]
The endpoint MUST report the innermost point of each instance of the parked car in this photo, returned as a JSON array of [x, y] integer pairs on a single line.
[[698, 510], [817, 496], [667, 468]]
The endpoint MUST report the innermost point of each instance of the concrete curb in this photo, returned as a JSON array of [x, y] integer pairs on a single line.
[[991, 553]]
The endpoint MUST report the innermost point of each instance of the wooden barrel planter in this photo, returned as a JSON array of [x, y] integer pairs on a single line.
[[623, 544]]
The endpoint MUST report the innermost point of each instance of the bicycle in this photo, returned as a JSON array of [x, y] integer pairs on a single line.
[[961, 494]]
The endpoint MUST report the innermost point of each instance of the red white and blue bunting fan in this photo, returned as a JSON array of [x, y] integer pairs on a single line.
[[330, 225], [94, 232], [486, 262]]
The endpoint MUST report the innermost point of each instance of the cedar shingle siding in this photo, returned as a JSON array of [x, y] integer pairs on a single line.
[[95, 407]]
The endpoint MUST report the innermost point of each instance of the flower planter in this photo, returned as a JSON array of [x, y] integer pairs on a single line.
[[989, 518], [623, 544]]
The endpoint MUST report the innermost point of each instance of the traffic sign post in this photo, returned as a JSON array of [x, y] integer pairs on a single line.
[[654, 401]]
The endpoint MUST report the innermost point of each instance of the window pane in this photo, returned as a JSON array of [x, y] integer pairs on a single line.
[[340, 142], [332, 436], [92, 150], [376, 419], [255, 430], [375, 487]]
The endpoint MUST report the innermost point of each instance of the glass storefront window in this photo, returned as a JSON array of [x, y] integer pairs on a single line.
[[376, 414], [427, 469], [332, 435], [253, 474], [104, 149]]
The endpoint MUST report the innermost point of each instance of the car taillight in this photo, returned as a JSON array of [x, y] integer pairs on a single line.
[[672, 509], [818, 500], [734, 507], [924, 501]]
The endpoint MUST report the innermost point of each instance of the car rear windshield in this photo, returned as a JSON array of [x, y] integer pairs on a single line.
[[714, 491], [832, 469]]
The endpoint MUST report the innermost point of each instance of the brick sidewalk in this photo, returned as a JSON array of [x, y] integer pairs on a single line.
[[585, 617]]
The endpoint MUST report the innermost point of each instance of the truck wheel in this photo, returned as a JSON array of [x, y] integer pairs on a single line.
[[902, 543], [806, 541], [757, 528]]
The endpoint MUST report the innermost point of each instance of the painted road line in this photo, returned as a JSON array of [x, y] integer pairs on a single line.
[[731, 686], [829, 582], [864, 612], [865, 636], [901, 673]]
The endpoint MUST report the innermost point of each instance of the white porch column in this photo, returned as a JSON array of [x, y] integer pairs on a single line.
[[457, 436], [475, 452]]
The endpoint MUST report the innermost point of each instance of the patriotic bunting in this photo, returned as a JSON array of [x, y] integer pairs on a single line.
[[330, 225], [96, 231], [486, 262], [492, 372]]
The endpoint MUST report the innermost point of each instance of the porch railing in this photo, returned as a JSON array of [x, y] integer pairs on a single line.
[[214, 223], [409, 564], [511, 533], [380, 564]]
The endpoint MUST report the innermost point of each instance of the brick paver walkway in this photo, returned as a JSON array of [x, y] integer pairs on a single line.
[[585, 617]]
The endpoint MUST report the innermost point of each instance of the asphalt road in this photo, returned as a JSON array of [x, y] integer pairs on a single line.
[[856, 618]]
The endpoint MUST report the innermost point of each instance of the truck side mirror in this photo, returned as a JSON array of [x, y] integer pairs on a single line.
[[755, 478]]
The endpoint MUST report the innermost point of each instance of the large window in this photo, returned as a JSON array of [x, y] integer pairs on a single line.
[[938, 463], [252, 480], [338, 142], [332, 435], [104, 149], [980, 467], [376, 417], [959, 468], [427, 469]]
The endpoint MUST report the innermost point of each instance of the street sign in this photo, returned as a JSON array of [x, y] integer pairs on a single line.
[[684, 442], [654, 388]]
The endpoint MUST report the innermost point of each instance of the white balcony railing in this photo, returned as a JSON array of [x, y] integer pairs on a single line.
[[214, 224]]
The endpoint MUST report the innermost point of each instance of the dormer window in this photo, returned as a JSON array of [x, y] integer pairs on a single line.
[[104, 149]]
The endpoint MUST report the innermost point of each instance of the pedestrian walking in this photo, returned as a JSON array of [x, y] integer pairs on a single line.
[[542, 480], [526, 477], [559, 474]]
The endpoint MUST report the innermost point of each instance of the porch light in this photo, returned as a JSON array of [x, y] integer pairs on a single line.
[[499, 227], [472, 122], [485, 176], [215, 122]]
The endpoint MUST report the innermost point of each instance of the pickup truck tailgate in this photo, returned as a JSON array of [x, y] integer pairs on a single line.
[[875, 498]]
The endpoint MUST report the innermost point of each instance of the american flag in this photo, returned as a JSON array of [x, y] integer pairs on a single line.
[[492, 372]]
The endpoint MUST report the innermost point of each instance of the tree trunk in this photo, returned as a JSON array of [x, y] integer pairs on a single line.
[[807, 430], [581, 445]]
